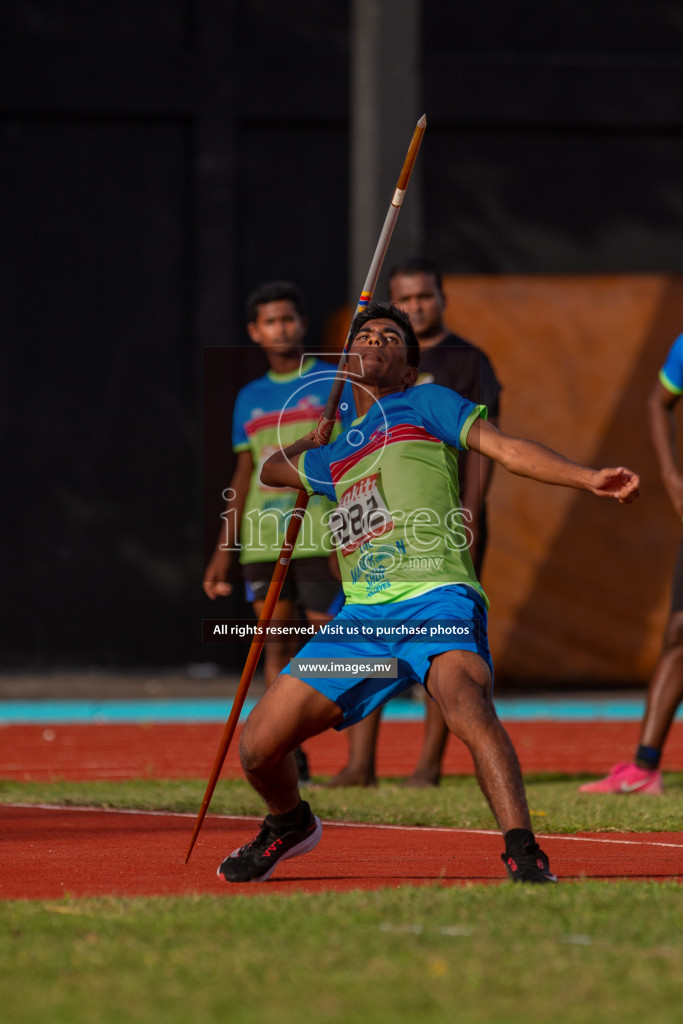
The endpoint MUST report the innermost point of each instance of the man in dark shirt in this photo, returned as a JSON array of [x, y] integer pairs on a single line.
[[447, 359], [415, 286]]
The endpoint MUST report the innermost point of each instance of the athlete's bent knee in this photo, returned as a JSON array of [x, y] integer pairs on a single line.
[[467, 709], [249, 757], [255, 757]]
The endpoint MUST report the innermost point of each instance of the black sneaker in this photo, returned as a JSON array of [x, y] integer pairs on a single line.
[[302, 767], [528, 863], [256, 861]]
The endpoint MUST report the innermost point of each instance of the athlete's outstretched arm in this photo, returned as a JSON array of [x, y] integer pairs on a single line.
[[528, 458]]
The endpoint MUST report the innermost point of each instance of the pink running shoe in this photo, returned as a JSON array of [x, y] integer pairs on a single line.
[[627, 778]]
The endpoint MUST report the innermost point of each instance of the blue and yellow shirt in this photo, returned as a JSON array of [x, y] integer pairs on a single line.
[[671, 374]]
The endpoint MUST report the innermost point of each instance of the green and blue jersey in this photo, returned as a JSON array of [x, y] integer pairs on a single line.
[[398, 525]]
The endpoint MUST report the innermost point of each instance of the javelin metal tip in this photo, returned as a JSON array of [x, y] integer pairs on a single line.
[[422, 123]]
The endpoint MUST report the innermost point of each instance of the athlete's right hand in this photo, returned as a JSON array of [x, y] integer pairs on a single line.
[[322, 433]]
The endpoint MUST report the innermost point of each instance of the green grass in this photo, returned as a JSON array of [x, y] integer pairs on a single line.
[[489, 955], [555, 803], [604, 953]]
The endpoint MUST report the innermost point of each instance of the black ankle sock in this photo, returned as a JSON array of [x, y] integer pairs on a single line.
[[648, 757], [291, 819], [517, 839]]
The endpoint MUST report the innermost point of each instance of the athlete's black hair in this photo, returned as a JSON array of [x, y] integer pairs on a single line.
[[417, 265], [274, 291], [385, 311]]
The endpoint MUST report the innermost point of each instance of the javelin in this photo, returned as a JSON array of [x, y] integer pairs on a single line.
[[323, 432]]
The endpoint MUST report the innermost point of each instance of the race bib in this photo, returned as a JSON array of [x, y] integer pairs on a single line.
[[360, 516]]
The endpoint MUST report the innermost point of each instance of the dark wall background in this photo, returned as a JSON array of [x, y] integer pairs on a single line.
[[160, 159]]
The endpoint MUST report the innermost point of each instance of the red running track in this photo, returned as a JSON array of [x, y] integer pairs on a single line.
[[173, 751], [49, 853]]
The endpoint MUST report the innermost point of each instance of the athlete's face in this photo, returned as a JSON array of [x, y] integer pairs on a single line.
[[278, 328], [381, 346], [418, 295]]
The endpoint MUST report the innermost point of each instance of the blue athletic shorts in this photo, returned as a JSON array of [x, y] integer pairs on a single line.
[[358, 696]]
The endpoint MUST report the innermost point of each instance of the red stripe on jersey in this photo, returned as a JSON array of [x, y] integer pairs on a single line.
[[378, 440]]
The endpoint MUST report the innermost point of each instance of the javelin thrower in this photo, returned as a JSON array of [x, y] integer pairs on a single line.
[[322, 436], [394, 478]]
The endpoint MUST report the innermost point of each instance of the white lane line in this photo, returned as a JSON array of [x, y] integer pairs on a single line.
[[619, 842], [494, 832], [352, 824]]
